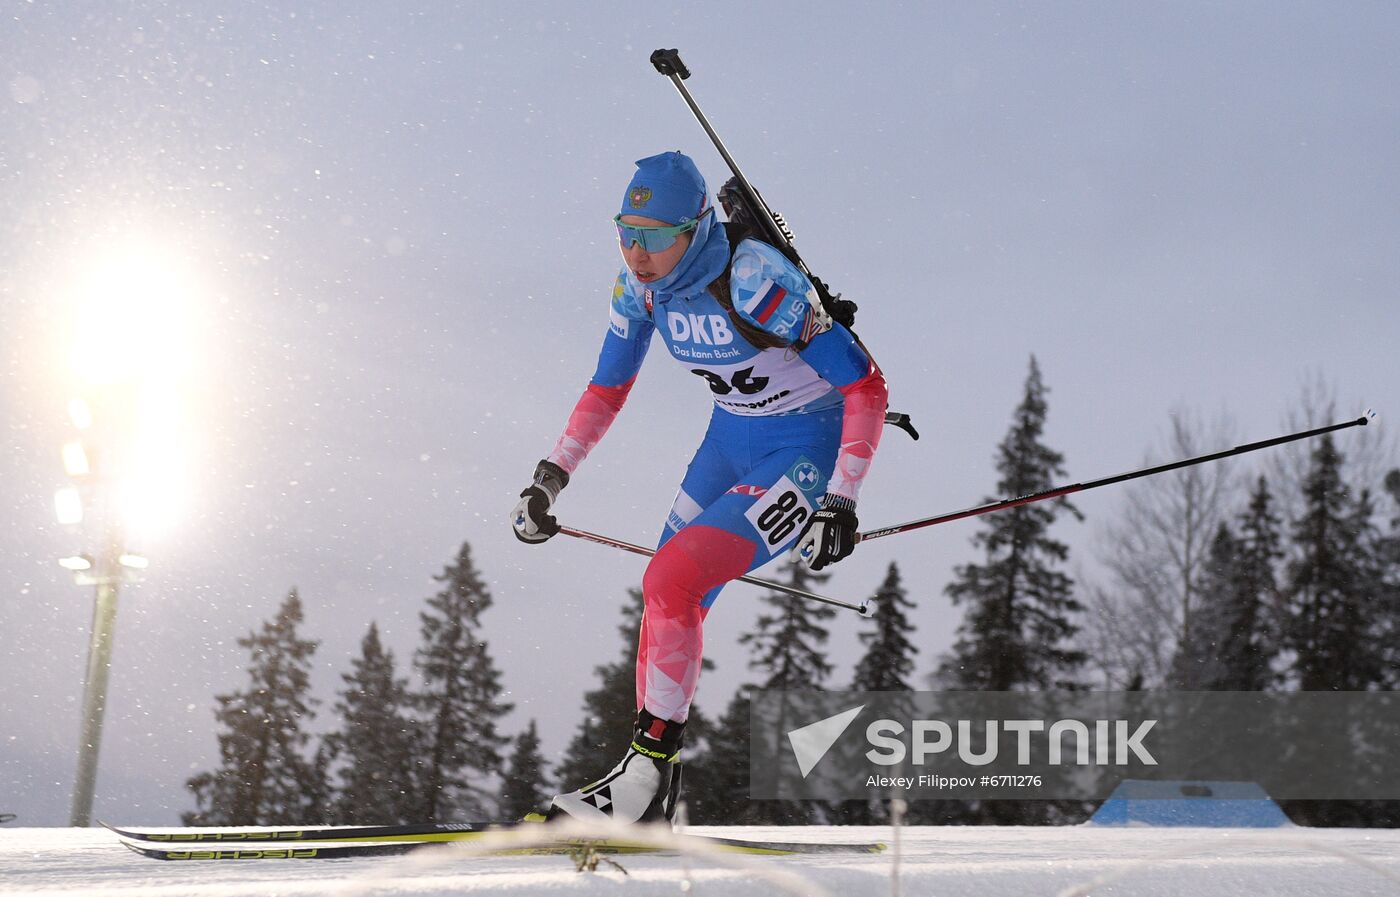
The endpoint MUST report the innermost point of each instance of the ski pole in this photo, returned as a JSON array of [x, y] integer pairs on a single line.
[[1060, 491], [863, 608]]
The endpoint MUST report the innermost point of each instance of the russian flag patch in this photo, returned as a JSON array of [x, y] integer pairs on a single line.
[[765, 301]]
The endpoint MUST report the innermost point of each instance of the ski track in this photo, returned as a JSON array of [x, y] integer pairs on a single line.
[[942, 861]]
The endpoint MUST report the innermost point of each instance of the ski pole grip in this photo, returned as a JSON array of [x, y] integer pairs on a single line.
[[668, 62]]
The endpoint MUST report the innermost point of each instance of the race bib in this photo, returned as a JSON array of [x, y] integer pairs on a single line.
[[783, 510]]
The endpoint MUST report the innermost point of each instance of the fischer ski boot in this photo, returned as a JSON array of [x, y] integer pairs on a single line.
[[644, 787]]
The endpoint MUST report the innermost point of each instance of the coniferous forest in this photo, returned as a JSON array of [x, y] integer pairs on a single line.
[[1276, 574]]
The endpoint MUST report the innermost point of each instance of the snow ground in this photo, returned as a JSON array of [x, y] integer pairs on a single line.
[[939, 862]]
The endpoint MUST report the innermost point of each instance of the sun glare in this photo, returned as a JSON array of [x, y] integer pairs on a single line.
[[132, 354]]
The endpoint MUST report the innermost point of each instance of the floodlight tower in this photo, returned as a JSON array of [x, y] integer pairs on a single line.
[[127, 358], [111, 565]]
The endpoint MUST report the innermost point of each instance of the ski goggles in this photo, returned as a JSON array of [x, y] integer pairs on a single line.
[[653, 239]]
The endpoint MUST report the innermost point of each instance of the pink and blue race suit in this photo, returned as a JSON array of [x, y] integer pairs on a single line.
[[788, 426]]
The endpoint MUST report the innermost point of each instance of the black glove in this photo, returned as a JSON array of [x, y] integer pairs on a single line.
[[531, 519], [830, 534]]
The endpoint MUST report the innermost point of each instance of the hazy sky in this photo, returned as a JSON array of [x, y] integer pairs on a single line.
[[394, 228]]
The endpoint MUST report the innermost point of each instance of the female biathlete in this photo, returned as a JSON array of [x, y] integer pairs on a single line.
[[798, 410]]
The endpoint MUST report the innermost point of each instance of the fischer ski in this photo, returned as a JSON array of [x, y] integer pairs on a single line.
[[322, 850], [313, 850], [428, 832], [292, 847]]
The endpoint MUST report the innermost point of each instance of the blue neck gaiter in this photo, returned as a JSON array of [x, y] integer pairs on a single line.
[[704, 260]]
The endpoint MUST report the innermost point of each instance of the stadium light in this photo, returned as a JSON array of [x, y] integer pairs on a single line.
[[76, 563], [80, 413], [134, 562], [75, 460], [128, 358], [68, 506]]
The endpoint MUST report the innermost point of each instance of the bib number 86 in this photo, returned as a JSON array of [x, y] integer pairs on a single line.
[[780, 518]]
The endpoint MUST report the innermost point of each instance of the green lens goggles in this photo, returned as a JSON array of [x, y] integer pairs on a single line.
[[652, 239]]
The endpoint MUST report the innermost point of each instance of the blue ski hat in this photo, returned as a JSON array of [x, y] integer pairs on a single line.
[[667, 187]]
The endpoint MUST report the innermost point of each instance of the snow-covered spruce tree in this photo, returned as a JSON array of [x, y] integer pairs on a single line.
[[1333, 585], [1258, 604], [1197, 660], [377, 743], [886, 666], [789, 654], [1340, 624], [1021, 612], [265, 777], [460, 703], [1235, 632], [526, 788], [1388, 559], [789, 641], [718, 793], [609, 710], [888, 661], [1021, 622], [318, 792]]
